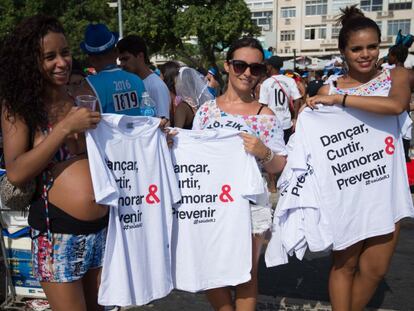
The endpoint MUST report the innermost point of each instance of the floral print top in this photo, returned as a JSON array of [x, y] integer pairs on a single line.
[[379, 86], [265, 127]]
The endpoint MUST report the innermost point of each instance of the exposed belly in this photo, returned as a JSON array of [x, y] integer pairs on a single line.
[[72, 190]]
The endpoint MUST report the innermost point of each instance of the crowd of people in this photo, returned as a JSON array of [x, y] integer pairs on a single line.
[[43, 133]]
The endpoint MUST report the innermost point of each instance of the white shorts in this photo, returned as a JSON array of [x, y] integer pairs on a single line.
[[261, 213]]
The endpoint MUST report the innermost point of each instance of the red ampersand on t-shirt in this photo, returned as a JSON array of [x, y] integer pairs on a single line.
[[389, 145], [152, 197], [225, 194]]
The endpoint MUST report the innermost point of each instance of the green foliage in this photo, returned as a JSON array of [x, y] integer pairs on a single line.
[[166, 25], [216, 25]]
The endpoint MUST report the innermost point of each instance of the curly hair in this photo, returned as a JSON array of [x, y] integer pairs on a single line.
[[352, 20], [22, 85]]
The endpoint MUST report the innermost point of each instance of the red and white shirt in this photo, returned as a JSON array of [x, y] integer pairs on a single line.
[[211, 240], [132, 172]]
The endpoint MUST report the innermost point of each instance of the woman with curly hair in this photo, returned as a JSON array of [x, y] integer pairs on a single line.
[[43, 140], [357, 269]]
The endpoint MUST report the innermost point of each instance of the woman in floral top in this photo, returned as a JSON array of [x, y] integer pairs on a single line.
[[263, 138]]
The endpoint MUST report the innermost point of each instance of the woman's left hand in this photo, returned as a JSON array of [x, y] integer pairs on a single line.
[[254, 145], [328, 100], [170, 136]]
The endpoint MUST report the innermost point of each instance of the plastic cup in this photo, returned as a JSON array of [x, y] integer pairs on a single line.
[[87, 101]]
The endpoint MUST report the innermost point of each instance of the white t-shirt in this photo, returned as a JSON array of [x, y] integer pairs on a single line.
[[263, 126], [211, 240], [132, 173], [359, 167], [159, 93], [278, 95], [298, 223], [359, 183]]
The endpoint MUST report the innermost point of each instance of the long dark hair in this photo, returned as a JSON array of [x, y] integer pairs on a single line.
[[352, 20], [22, 84], [170, 71]]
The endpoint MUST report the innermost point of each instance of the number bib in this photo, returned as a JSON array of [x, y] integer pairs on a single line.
[[125, 100]]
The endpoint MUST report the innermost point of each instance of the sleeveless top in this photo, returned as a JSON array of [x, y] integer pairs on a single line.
[[378, 86], [118, 91]]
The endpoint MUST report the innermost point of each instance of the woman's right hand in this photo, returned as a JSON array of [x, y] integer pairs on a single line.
[[80, 119]]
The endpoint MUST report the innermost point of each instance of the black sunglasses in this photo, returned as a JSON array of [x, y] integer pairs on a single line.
[[240, 66]]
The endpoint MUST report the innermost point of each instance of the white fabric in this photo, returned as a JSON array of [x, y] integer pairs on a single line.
[[387, 66], [359, 182], [366, 176], [192, 87], [261, 212], [358, 189], [159, 93], [132, 173], [298, 224], [275, 98], [409, 62], [263, 126], [211, 241]]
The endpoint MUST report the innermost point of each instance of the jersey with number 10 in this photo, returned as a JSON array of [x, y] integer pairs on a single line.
[[277, 96]]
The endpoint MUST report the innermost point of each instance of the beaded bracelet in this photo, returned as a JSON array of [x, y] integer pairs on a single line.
[[268, 157]]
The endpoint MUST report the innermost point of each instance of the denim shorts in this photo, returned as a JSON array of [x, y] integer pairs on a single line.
[[261, 212], [68, 258]]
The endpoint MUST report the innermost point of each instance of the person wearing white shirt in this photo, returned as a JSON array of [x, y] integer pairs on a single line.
[[133, 56], [236, 108], [281, 94], [358, 269]]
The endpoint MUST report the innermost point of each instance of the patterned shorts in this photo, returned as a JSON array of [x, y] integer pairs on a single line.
[[72, 255]]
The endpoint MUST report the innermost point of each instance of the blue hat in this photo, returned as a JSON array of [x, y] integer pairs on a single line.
[[98, 39], [212, 71]]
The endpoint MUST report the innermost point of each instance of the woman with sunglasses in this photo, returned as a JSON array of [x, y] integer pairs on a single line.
[[262, 137]]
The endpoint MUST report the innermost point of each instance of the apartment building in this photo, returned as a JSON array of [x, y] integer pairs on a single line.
[[264, 14], [308, 27]]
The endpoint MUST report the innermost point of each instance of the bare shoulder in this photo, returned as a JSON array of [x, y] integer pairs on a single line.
[[324, 90], [399, 73], [10, 120], [267, 111], [84, 88], [401, 80]]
